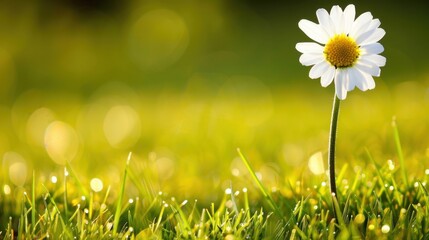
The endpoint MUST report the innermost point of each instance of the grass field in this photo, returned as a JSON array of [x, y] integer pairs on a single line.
[[195, 120], [185, 178]]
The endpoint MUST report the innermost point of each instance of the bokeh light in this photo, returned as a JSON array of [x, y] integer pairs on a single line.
[[122, 126], [158, 39], [61, 142], [316, 163], [37, 123], [17, 168]]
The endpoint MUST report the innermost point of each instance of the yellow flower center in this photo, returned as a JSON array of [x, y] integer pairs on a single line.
[[341, 51]]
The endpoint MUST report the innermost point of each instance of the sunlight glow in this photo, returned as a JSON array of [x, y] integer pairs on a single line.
[[6, 189], [316, 164], [122, 126], [17, 168], [37, 123], [61, 142], [158, 39]]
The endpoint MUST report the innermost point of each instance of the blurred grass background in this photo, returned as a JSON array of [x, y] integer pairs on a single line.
[[182, 84]]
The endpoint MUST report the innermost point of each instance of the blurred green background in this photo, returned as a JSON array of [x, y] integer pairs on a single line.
[[182, 84]]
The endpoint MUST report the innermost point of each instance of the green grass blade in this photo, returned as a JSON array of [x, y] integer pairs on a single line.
[[264, 192], [399, 150], [33, 203], [121, 196]]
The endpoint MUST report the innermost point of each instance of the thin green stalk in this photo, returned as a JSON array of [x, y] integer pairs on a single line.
[[121, 196], [33, 203], [268, 197], [332, 140], [399, 150], [65, 193]]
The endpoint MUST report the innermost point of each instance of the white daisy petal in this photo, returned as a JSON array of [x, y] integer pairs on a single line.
[[317, 70], [325, 21], [375, 37], [373, 48], [349, 17], [337, 18], [307, 59], [313, 31], [369, 81], [351, 83], [373, 70], [360, 25], [376, 59], [364, 36], [309, 47], [375, 23], [327, 77], [341, 84], [358, 79]]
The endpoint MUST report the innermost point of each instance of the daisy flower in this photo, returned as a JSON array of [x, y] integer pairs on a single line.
[[346, 50]]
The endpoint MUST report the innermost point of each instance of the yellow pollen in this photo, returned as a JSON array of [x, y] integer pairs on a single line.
[[341, 51]]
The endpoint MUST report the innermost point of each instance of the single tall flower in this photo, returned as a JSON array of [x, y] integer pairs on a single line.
[[347, 49], [347, 52]]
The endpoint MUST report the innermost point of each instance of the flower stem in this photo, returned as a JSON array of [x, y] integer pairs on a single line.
[[332, 138]]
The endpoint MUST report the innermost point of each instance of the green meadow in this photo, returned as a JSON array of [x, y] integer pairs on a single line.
[[195, 120]]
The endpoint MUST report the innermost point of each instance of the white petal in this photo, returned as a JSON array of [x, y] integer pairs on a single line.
[[313, 31], [325, 21], [349, 17], [375, 23], [369, 81], [369, 68], [327, 77], [309, 47], [358, 79], [350, 81], [362, 37], [341, 84], [337, 18], [319, 69], [376, 59], [375, 37], [373, 48], [307, 59], [361, 24]]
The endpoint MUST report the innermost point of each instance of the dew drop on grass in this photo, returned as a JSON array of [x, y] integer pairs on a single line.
[[244, 189], [83, 198], [416, 184], [385, 228], [96, 184], [131, 201], [323, 184], [228, 191], [391, 165], [54, 179], [391, 188], [427, 171]]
